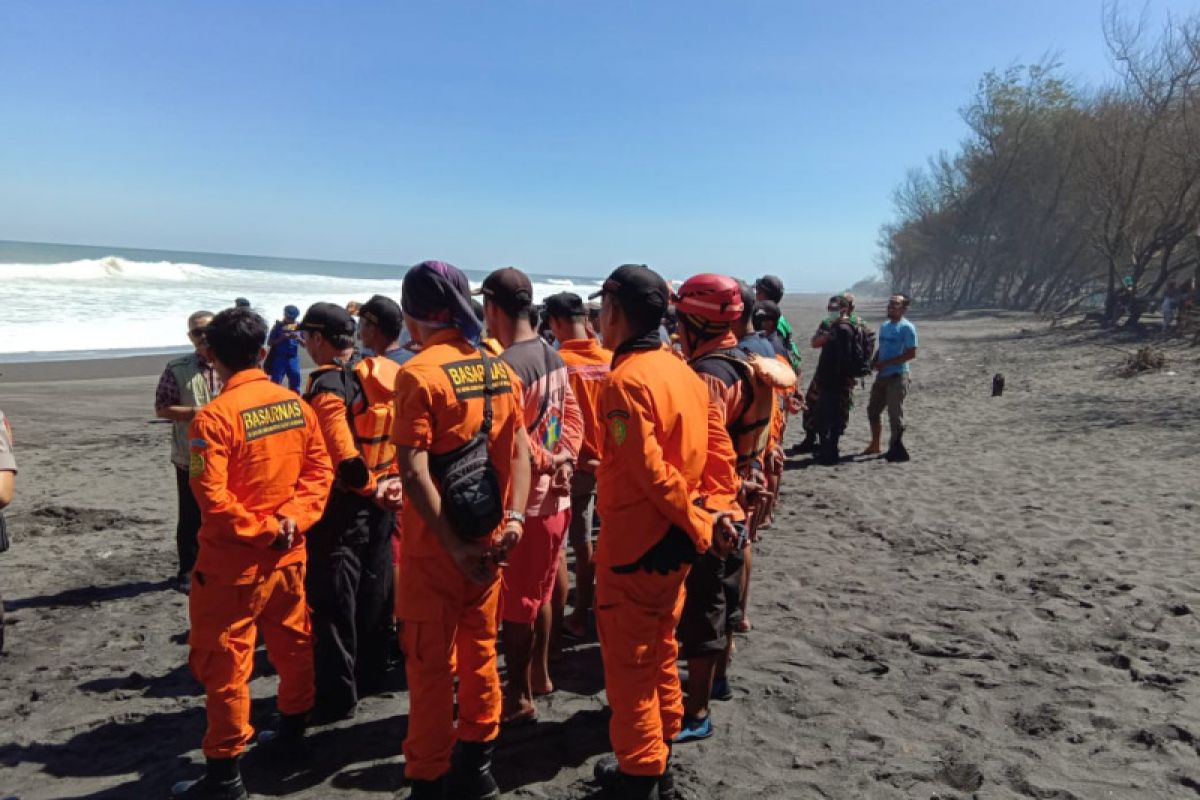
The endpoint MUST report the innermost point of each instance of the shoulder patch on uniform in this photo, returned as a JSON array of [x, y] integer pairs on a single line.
[[195, 465], [272, 418], [618, 428], [199, 444], [618, 413], [466, 377]]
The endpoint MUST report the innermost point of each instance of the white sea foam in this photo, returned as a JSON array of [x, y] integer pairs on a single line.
[[116, 304]]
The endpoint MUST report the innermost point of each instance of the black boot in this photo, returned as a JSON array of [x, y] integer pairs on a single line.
[[897, 453], [471, 776], [221, 781], [827, 455], [808, 445], [427, 790], [666, 781], [285, 746], [618, 785]]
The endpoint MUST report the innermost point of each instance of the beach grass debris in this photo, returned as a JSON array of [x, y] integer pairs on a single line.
[[1146, 359]]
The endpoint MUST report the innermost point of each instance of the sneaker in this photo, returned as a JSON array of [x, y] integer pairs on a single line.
[[694, 729]]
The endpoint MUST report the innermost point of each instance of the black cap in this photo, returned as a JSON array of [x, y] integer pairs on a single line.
[[383, 312], [241, 302], [767, 310], [509, 288], [564, 304], [771, 286], [328, 319], [636, 283]]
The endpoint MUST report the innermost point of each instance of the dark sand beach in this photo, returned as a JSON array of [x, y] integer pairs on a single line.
[[1013, 614]]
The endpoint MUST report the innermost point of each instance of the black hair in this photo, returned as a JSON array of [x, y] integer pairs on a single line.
[[535, 317], [749, 298], [236, 336], [517, 308], [341, 341], [642, 317], [477, 309]]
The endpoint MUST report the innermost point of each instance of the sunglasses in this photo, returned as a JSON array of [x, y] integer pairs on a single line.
[[196, 333]]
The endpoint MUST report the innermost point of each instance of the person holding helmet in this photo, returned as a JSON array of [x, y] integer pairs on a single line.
[[742, 388], [662, 487]]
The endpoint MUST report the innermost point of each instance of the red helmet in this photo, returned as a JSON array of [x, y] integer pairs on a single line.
[[712, 297]]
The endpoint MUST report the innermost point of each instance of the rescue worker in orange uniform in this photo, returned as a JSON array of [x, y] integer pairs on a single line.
[[260, 474], [588, 365], [449, 586], [742, 388], [664, 465], [349, 549]]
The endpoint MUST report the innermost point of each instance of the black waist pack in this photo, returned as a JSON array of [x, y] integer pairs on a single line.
[[471, 498]]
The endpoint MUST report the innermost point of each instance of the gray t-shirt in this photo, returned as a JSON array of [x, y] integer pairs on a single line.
[[8, 462]]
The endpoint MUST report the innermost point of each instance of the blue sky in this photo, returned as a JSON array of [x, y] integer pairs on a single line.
[[569, 136]]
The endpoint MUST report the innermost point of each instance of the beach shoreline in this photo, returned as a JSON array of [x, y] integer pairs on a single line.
[[1012, 614]]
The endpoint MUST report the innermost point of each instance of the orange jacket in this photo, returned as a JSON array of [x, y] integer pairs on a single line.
[[328, 400], [256, 455], [661, 465], [439, 406], [588, 364]]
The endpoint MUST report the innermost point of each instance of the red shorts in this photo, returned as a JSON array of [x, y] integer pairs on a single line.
[[528, 580]]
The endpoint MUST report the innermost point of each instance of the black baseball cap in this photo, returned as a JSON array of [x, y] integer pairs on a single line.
[[509, 288], [636, 283], [771, 286], [564, 304], [328, 319], [383, 312]]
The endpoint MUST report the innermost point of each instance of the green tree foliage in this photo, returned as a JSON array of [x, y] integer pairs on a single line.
[[1059, 194]]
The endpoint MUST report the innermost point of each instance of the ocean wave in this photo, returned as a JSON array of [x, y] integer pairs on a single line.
[[114, 303]]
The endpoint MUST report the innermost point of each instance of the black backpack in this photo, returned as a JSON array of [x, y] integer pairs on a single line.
[[861, 349]]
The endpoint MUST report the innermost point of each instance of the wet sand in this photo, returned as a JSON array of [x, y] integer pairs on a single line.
[[1010, 615]]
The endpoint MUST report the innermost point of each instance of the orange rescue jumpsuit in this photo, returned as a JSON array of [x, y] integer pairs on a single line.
[[661, 467], [256, 456], [448, 622]]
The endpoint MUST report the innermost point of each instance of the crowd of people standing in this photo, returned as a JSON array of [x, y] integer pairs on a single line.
[[426, 492]]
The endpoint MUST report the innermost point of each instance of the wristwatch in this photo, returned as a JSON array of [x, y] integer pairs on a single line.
[[514, 516]]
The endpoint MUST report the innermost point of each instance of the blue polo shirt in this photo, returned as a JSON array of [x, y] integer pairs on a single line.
[[894, 339]]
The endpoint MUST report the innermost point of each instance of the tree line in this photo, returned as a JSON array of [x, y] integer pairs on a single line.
[[1062, 196]]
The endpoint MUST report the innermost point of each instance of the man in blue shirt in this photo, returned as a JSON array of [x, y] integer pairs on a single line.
[[283, 358], [897, 346]]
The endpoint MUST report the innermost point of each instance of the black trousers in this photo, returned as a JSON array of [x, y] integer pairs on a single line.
[[713, 606], [349, 586], [187, 529]]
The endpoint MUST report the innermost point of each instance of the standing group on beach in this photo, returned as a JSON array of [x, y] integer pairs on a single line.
[[425, 493]]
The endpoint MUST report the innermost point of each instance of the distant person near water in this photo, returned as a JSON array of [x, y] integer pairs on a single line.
[[283, 353], [8, 472], [897, 347], [187, 384]]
